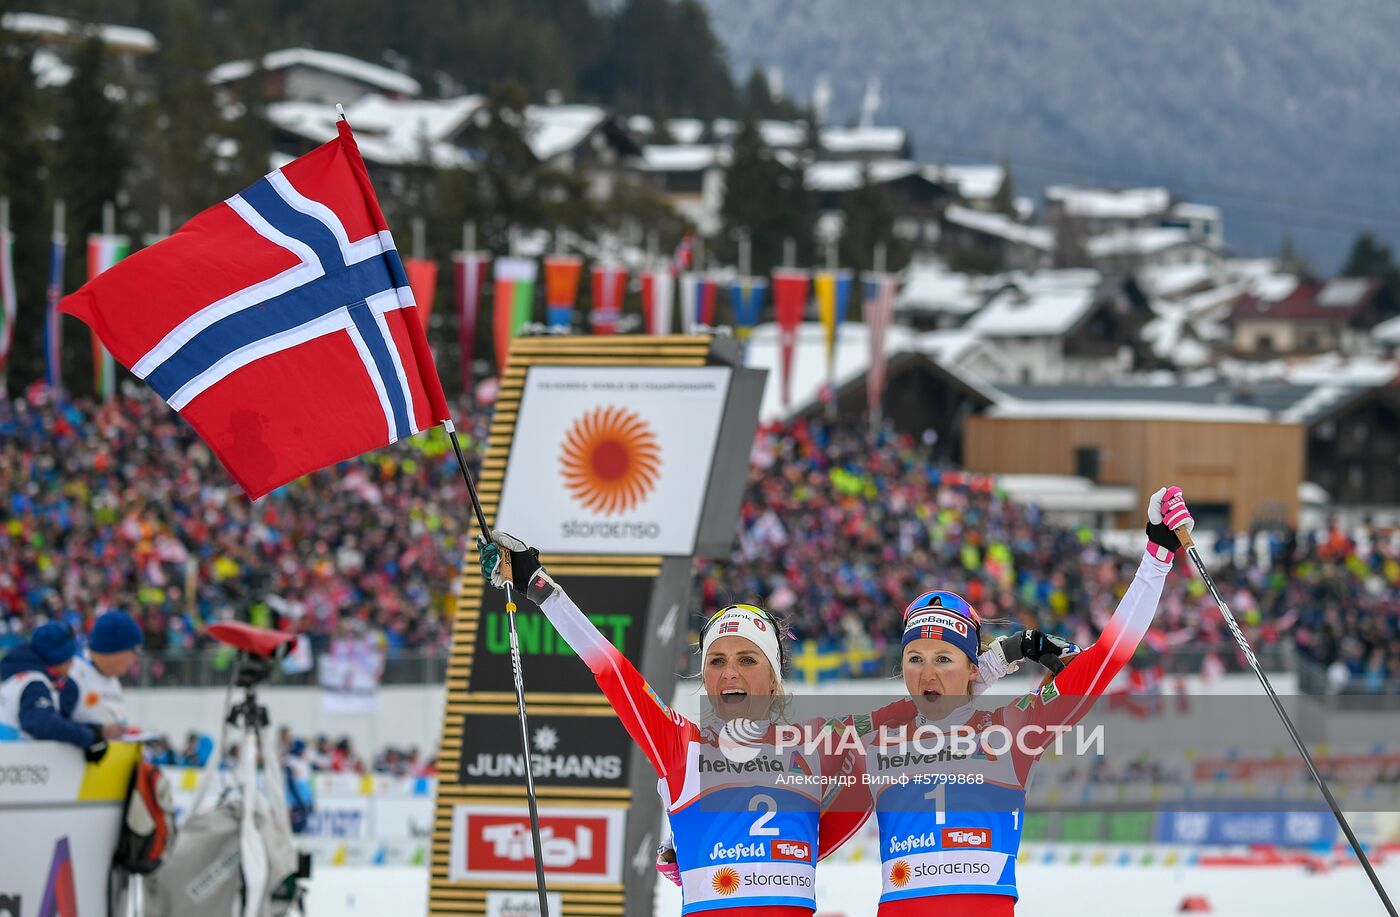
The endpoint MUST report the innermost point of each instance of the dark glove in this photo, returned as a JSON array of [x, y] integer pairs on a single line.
[[97, 747], [1043, 648], [507, 559]]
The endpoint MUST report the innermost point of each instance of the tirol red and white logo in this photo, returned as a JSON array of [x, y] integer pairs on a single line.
[[967, 837], [610, 460], [569, 845], [791, 850]]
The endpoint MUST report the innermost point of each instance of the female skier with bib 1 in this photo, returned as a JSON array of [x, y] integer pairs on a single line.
[[746, 840], [950, 822]]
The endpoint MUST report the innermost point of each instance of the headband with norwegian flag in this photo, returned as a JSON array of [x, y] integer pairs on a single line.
[[944, 616], [749, 622]]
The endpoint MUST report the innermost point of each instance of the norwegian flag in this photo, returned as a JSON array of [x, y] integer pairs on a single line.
[[279, 323], [930, 632], [729, 627]]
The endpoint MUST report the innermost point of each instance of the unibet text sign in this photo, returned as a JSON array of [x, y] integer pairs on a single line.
[[611, 460]]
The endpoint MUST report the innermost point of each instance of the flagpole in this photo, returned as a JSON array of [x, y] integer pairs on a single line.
[[8, 331], [835, 331], [469, 231], [515, 670], [876, 414]]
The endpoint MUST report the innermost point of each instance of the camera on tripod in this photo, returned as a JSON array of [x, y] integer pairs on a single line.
[[258, 648]]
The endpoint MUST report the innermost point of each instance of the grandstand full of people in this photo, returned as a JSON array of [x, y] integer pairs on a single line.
[[118, 505]]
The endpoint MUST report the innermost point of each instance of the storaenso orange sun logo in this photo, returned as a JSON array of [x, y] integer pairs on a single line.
[[899, 874], [725, 881], [610, 460]]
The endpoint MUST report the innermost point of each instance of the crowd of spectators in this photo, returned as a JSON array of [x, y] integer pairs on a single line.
[[302, 756], [119, 505]]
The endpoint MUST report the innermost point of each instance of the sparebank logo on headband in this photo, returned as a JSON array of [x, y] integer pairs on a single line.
[[610, 460]]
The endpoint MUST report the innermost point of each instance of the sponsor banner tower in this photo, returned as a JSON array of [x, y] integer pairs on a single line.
[[621, 458]]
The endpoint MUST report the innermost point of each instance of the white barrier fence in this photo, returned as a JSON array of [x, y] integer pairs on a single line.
[[355, 819]]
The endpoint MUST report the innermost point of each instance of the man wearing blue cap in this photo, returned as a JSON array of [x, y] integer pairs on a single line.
[[111, 652], [37, 697]]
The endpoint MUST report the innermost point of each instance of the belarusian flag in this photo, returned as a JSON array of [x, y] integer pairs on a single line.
[[104, 251], [514, 301]]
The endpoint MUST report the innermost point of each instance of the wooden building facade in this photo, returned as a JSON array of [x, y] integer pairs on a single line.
[[1236, 474]]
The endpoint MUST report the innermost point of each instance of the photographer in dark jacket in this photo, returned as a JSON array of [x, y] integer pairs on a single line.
[[37, 698]]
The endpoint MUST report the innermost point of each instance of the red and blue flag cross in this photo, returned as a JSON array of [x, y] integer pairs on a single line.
[[339, 285]]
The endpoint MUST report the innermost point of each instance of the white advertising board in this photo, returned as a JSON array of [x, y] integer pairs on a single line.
[[612, 460], [492, 843], [59, 821]]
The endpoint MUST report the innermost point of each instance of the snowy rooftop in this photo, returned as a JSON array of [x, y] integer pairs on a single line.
[[1147, 241], [1091, 409], [1001, 226], [683, 157], [1048, 303], [809, 374], [1273, 287], [1173, 280], [437, 119], [49, 70], [1387, 332], [974, 182], [777, 135], [1106, 203], [686, 130], [339, 64], [847, 140], [1185, 210], [931, 287], [39, 25], [555, 129], [388, 132], [393, 131], [1167, 336], [1343, 292], [1289, 395], [846, 175]]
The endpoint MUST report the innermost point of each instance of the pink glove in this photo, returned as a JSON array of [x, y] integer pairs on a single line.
[[1166, 512], [666, 862]]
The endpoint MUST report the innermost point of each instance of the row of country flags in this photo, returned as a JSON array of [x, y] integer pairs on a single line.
[[666, 293], [103, 251]]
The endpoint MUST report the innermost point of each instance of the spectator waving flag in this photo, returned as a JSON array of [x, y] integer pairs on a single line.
[[279, 323]]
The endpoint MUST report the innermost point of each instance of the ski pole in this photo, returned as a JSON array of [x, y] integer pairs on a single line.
[[516, 671], [1184, 535]]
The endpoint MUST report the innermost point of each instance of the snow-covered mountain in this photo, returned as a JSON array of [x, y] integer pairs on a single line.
[[1283, 112]]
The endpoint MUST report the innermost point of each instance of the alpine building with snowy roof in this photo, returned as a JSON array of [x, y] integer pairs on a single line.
[[1313, 316], [308, 75], [1061, 326], [984, 240]]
